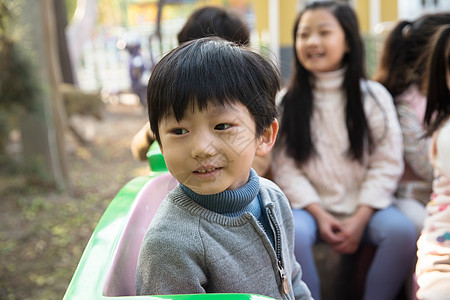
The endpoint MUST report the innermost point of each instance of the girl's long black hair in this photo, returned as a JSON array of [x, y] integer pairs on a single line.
[[297, 104], [438, 95]]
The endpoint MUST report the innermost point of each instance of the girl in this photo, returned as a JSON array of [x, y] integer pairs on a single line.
[[340, 153], [433, 263], [402, 73]]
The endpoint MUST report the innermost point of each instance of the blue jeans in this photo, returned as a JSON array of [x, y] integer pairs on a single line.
[[389, 230]]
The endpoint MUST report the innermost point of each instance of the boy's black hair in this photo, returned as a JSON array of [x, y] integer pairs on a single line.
[[295, 127], [212, 71], [215, 21]]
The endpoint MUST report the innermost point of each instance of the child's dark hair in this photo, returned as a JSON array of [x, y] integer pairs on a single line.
[[295, 129], [400, 65], [438, 94], [212, 71], [215, 21]]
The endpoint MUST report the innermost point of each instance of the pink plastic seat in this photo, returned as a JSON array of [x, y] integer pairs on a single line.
[[120, 280]]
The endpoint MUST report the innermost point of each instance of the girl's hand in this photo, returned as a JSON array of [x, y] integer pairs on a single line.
[[353, 230], [351, 233], [329, 226]]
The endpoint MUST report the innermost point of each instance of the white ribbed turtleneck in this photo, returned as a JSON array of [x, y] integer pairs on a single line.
[[331, 178]]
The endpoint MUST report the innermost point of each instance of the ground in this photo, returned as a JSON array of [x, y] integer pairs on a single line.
[[43, 232]]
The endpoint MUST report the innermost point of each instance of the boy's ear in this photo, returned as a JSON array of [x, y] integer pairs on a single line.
[[268, 138]]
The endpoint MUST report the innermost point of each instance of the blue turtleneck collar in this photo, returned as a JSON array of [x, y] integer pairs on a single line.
[[228, 201]]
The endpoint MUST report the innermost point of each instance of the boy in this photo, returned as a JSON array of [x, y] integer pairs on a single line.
[[222, 229]]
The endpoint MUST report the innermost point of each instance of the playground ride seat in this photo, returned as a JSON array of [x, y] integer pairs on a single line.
[[120, 279]]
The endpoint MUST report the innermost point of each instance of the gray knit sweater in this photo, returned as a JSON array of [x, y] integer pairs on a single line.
[[189, 249]]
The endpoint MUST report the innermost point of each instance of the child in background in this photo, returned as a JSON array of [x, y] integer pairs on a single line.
[[339, 154], [433, 265], [402, 73], [222, 229]]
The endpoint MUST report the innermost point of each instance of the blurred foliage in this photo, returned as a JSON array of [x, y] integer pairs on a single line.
[[17, 84], [71, 6], [113, 12]]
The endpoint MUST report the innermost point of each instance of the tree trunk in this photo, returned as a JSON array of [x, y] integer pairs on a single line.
[[67, 70], [43, 128]]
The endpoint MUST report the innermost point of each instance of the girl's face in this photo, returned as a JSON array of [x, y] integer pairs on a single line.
[[320, 42]]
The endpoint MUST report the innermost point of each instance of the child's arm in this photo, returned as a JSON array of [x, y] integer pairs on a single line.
[[385, 163], [415, 146], [301, 290], [141, 142], [292, 181], [443, 150]]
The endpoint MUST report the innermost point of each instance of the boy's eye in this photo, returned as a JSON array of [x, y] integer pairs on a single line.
[[179, 131], [222, 126]]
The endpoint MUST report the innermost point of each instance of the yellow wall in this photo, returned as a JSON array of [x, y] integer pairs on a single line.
[[388, 12], [262, 15], [362, 10], [288, 12]]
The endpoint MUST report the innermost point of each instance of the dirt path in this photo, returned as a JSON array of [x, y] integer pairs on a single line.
[[43, 233]]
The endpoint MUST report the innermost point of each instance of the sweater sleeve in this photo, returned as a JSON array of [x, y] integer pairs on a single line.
[[301, 290], [415, 147], [385, 162], [293, 181], [443, 150]]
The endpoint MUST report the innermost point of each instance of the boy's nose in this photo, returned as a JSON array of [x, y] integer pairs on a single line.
[[203, 146]]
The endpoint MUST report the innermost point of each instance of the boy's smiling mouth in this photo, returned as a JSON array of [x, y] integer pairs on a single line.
[[207, 170]]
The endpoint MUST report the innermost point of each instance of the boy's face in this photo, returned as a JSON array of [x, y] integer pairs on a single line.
[[212, 150]]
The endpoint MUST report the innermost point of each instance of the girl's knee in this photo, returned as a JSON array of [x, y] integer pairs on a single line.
[[402, 231], [401, 239], [305, 228], [393, 226]]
